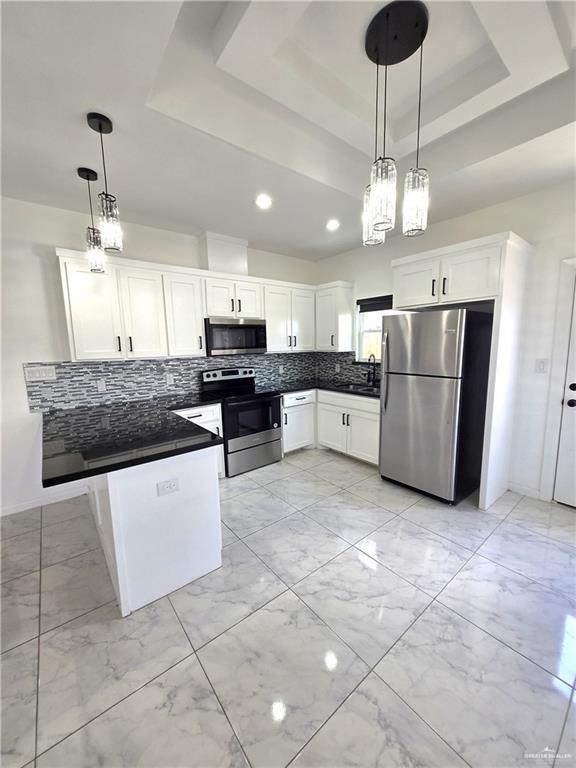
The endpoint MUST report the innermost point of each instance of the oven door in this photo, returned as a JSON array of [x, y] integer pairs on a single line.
[[251, 421], [235, 337]]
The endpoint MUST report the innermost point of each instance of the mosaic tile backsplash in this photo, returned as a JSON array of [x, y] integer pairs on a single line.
[[76, 384]]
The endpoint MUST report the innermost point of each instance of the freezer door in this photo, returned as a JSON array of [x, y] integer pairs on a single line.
[[427, 343], [418, 432]]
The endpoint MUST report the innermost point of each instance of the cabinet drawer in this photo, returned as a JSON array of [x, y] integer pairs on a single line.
[[201, 414], [299, 398], [356, 402]]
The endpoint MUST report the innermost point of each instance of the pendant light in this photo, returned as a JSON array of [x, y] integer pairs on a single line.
[[394, 34], [416, 184], [96, 256], [370, 235], [110, 229]]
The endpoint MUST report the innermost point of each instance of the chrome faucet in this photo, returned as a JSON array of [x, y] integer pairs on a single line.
[[371, 376]]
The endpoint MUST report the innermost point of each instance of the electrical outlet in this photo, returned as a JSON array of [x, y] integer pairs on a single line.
[[40, 373], [541, 365], [170, 379], [101, 385], [337, 367], [280, 369], [167, 486]]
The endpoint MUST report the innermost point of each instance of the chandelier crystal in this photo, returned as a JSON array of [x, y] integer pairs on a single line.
[[383, 184], [369, 235], [96, 256], [415, 206], [110, 229]]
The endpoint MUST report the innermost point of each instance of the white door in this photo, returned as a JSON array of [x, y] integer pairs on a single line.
[[220, 298], [144, 314], [249, 300], [278, 319], [298, 427], [303, 320], [416, 283], [94, 313], [472, 274], [565, 485], [332, 427], [326, 326], [184, 315], [363, 435]]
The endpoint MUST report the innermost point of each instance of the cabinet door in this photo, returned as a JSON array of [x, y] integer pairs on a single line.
[[143, 308], [326, 325], [298, 427], [363, 435], [216, 428], [472, 274], [303, 320], [95, 319], [332, 427], [417, 283], [220, 298], [249, 300], [184, 314], [278, 319]]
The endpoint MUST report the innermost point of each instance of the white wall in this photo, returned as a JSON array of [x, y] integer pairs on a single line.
[[34, 326], [547, 220]]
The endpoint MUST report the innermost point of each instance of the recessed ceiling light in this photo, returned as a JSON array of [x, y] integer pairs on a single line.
[[264, 201], [332, 225]]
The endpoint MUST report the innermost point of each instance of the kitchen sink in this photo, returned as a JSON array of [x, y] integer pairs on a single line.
[[363, 389]]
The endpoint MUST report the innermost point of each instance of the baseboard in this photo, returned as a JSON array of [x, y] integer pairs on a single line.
[[525, 490], [51, 495]]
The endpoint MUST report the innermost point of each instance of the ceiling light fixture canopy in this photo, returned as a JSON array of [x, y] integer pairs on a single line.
[[96, 256], [110, 229], [394, 34]]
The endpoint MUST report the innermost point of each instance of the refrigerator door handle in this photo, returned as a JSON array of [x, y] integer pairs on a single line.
[[385, 367]]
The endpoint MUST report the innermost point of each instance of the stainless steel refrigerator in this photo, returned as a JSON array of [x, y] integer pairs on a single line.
[[434, 382]]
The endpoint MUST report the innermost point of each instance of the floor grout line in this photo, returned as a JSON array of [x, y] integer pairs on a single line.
[[38, 644]]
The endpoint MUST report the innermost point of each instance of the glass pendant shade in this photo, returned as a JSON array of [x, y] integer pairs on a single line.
[[96, 256], [383, 184], [110, 229], [416, 199], [369, 235]]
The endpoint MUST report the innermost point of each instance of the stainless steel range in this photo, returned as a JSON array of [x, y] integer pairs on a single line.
[[252, 420]]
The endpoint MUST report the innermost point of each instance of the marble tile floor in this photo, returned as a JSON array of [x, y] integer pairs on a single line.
[[353, 624]]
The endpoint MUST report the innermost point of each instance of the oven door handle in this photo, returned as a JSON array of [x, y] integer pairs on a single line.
[[251, 401]]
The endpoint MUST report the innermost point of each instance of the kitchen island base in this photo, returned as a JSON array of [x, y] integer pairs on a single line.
[[159, 524]]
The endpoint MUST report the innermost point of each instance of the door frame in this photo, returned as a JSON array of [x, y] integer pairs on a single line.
[[566, 304]]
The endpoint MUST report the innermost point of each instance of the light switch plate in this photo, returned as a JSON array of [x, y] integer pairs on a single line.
[[101, 385], [541, 365], [40, 373], [170, 379], [167, 486], [337, 367]]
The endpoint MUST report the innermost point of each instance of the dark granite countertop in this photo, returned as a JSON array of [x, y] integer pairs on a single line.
[[87, 441], [346, 388]]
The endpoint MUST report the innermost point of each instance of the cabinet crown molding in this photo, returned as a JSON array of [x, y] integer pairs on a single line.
[[500, 238]]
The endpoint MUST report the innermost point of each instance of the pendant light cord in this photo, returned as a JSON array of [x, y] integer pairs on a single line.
[[376, 126], [90, 201], [385, 89], [103, 161], [419, 108]]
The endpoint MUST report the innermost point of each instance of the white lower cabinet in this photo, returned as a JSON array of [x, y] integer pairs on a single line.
[[349, 424], [209, 417], [298, 420]]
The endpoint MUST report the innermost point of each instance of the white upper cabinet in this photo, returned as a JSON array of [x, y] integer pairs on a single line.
[[334, 319], [471, 274], [249, 300], [302, 320], [220, 298], [417, 283], [278, 312], [94, 318], [457, 273], [142, 299], [228, 298], [184, 314]]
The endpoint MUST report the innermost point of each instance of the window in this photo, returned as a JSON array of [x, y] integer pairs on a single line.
[[369, 325]]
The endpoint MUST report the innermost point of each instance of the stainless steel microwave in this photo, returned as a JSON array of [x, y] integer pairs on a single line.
[[229, 336]]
